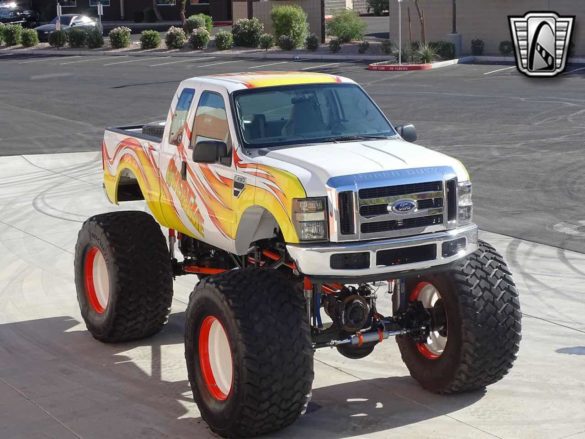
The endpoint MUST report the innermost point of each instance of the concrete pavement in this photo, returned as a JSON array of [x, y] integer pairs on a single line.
[[56, 381]]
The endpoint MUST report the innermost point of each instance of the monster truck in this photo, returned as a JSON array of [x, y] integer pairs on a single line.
[[293, 199]]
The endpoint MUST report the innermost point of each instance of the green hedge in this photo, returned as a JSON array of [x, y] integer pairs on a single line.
[[290, 20], [346, 25], [95, 39], [29, 38], [199, 39], [58, 38], [12, 34], [77, 38], [224, 40], [247, 32], [120, 37], [149, 39], [198, 20], [175, 38]]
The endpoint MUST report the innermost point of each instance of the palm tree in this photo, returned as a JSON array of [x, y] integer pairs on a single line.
[[454, 27], [156, 11]]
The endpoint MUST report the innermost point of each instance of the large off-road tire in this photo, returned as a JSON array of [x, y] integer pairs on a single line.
[[479, 343], [248, 352], [123, 276]]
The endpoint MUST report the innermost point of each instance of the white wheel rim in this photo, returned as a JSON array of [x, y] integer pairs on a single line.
[[428, 295], [97, 280], [215, 358]]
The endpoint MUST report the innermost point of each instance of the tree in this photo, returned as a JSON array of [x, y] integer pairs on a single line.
[[182, 4], [156, 11], [421, 18]]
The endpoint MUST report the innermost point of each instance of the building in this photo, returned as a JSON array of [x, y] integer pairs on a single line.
[[220, 10], [480, 19]]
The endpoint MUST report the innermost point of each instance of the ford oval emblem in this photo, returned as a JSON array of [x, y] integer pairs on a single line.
[[402, 206]]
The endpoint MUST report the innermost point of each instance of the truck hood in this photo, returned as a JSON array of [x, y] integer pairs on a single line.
[[315, 165]]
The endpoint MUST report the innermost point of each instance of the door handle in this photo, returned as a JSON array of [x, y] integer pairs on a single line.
[[184, 170]]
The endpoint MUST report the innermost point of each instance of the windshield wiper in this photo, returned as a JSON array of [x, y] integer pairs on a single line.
[[354, 137]]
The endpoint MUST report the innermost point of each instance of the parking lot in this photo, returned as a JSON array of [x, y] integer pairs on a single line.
[[521, 139]]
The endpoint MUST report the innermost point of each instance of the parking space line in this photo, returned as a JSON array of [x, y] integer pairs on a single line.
[[218, 63], [136, 60], [181, 61], [573, 71], [322, 65], [99, 58], [266, 65], [499, 70], [48, 58]]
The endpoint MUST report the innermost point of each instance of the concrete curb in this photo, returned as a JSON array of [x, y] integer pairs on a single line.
[[417, 67], [248, 54]]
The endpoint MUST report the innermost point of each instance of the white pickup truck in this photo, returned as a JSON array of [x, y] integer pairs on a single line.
[[293, 198]]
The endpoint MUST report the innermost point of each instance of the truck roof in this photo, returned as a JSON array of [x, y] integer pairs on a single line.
[[237, 81]]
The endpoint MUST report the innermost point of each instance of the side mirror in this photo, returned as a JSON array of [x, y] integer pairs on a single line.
[[209, 151], [407, 132]]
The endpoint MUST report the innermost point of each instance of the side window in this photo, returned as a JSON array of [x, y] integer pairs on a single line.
[[180, 116], [211, 120]]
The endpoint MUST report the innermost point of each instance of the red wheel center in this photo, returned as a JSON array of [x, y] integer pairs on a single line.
[[215, 358], [426, 292], [96, 280]]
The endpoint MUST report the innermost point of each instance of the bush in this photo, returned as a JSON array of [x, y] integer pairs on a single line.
[[12, 34], [286, 43], [477, 46], [363, 47], [199, 39], [290, 20], [95, 39], [202, 20], [138, 16], [378, 6], [224, 40], [194, 22], [335, 45], [58, 38], [426, 54], [150, 15], [312, 42], [175, 38], [29, 38], [266, 41], [346, 25], [77, 38], [247, 32], [506, 48], [386, 47], [149, 39], [444, 49], [120, 37], [2, 32]]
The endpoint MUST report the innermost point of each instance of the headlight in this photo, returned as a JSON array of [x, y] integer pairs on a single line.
[[310, 218], [465, 205]]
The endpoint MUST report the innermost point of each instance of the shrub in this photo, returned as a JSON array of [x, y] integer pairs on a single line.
[[346, 25], [58, 38], [224, 40], [120, 37], [149, 39], [138, 16], [12, 34], [29, 38], [205, 20], [247, 32], [150, 15], [477, 46], [286, 43], [77, 38], [386, 47], [199, 38], [363, 47], [312, 42], [175, 38], [444, 49], [378, 6], [290, 20], [506, 48], [335, 45], [2, 32], [266, 41], [194, 22], [426, 54], [95, 39]]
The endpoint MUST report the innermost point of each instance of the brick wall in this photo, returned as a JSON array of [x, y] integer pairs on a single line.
[[484, 19]]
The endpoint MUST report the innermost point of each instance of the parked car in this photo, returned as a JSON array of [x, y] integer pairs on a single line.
[[68, 21], [10, 13]]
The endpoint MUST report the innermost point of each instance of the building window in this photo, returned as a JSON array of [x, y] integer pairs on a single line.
[[68, 3], [95, 2], [166, 2]]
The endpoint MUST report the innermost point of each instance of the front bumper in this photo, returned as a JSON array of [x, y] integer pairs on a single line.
[[316, 260]]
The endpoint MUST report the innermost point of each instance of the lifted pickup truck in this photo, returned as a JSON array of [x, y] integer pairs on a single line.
[[294, 200]]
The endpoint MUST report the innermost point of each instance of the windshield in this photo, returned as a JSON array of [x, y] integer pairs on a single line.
[[303, 114], [65, 20]]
